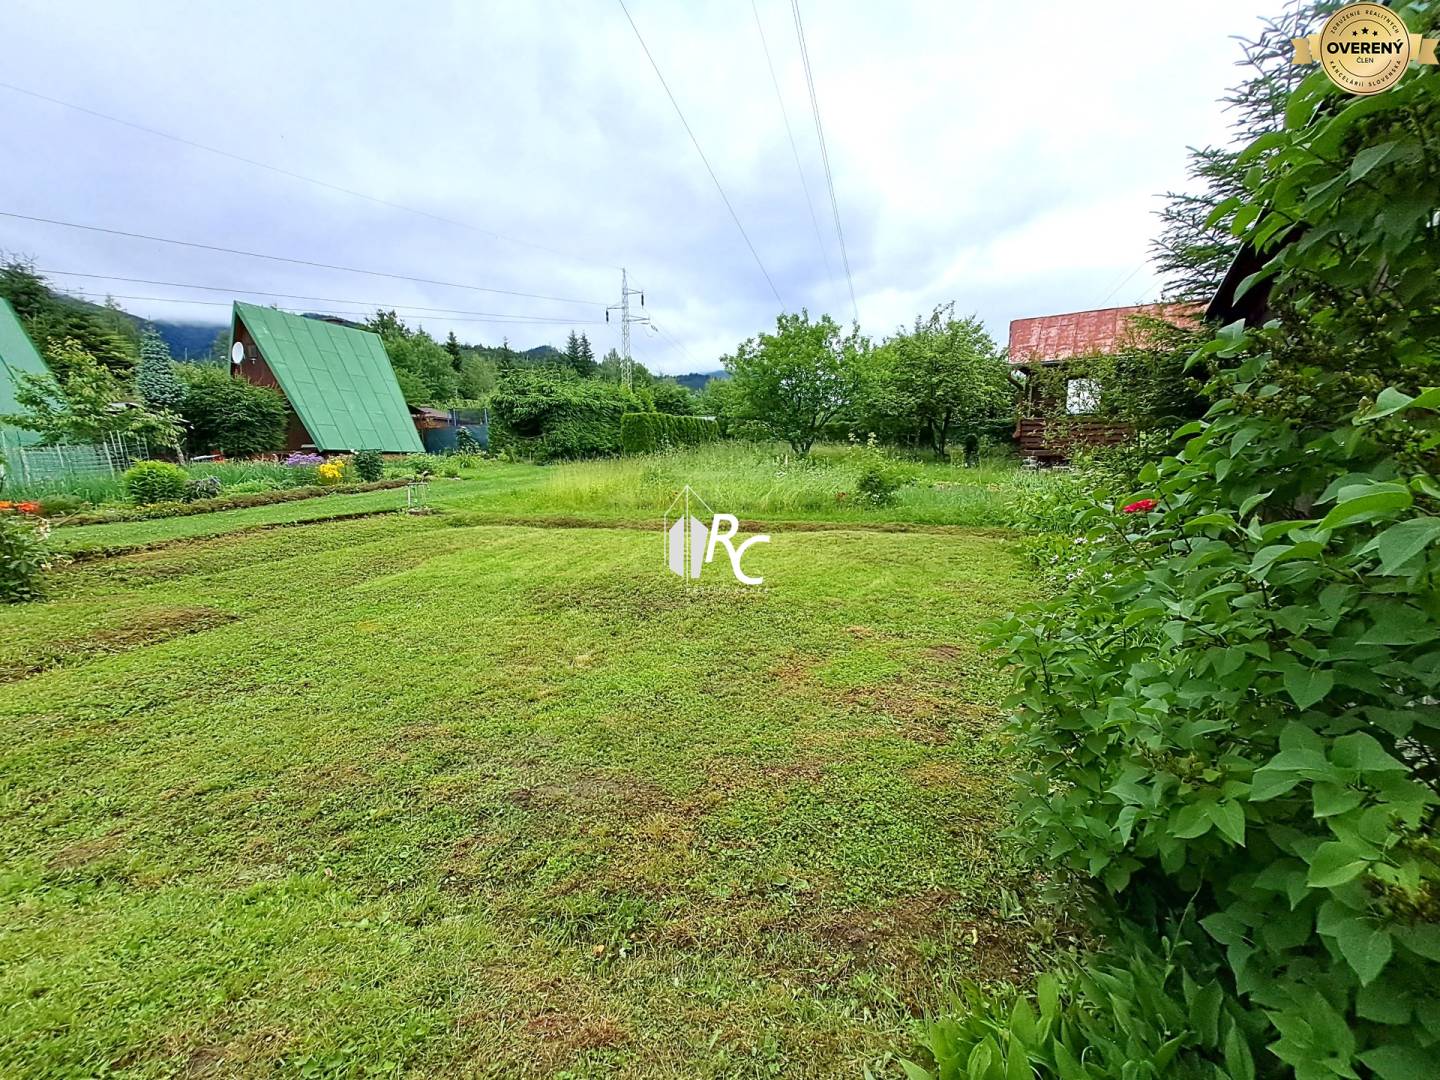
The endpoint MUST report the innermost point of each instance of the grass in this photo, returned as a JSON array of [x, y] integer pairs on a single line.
[[414, 795], [756, 483], [102, 489]]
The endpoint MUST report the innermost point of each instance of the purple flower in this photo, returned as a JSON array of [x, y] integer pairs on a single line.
[[298, 459]]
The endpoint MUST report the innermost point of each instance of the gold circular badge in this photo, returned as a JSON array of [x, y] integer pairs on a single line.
[[1364, 48]]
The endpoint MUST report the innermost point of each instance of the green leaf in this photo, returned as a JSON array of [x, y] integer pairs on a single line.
[[1391, 400], [1047, 995], [1238, 1061], [1332, 799], [1017, 1065], [1366, 947], [1400, 1063], [1400, 543], [1271, 783], [1363, 751], [1306, 686], [1368, 158], [1070, 1068], [1421, 939], [1229, 818], [1334, 864], [1383, 1002], [1377, 501], [1193, 820]]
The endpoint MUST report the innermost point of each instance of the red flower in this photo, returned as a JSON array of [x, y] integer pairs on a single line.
[[28, 507], [1139, 507]]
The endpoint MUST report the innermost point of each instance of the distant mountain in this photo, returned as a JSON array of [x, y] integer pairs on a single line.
[[697, 380], [542, 353], [192, 340]]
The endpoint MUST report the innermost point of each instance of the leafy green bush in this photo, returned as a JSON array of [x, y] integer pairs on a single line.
[[230, 415], [369, 465], [466, 443], [52, 506], [646, 432], [1130, 1012], [1232, 708], [878, 476], [24, 556], [548, 416], [203, 487], [155, 482]]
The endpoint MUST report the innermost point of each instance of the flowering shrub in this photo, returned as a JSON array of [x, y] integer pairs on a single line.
[[24, 555], [299, 460]]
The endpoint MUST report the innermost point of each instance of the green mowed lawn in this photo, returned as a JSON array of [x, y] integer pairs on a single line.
[[396, 796]]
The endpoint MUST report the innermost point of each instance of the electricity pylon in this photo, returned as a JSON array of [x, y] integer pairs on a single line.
[[627, 365]]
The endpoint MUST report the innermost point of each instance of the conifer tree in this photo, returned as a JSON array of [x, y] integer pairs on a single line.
[[452, 346], [155, 378], [585, 365]]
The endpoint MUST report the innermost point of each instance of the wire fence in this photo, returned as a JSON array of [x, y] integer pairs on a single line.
[[32, 465]]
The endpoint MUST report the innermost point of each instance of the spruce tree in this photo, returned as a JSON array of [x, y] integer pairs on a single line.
[[452, 346], [155, 378], [572, 352], [1192, 252], [585, 366]]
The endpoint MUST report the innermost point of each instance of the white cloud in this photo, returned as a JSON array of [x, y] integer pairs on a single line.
[[1007, 165]]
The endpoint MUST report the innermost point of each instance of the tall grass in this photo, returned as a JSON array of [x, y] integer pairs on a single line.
[[98, 489], [760, 481]]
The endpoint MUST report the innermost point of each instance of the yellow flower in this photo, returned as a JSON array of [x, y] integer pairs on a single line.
[[332, 472]]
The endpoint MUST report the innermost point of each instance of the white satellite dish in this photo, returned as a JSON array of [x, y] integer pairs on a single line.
[[237, 353]]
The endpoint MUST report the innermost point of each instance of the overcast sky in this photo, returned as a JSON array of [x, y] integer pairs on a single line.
[[1010, 166]]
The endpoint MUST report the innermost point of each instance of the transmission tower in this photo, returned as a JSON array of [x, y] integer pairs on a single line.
[[627, 364]]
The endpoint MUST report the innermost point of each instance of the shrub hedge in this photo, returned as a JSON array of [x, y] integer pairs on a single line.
[[224, 502], [645, 432], [549, 415]]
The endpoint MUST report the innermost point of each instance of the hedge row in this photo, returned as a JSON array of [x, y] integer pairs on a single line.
[[642, 433], [224, 502]]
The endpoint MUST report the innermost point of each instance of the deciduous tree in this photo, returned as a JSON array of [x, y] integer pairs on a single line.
[[798, 379]]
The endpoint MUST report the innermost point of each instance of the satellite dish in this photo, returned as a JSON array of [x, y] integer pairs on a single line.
[[237, 353]]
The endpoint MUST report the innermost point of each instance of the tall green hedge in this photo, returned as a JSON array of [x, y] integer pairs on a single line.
[[554, 415], [644, 432]]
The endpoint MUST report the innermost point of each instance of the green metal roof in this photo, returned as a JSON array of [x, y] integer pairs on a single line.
[[17, 357], [338, 380]]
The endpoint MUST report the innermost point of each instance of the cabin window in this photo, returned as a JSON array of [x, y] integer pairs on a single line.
[[1082, 396]]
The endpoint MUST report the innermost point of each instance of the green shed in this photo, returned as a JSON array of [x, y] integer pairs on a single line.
[[338, 380], [18, 357]]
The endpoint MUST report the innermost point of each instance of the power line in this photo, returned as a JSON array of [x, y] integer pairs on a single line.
[[298, 176], [708, 168], [372, 305], [824, 153], [794, 149], [297, 262], [226, 304], [1121, 283]]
